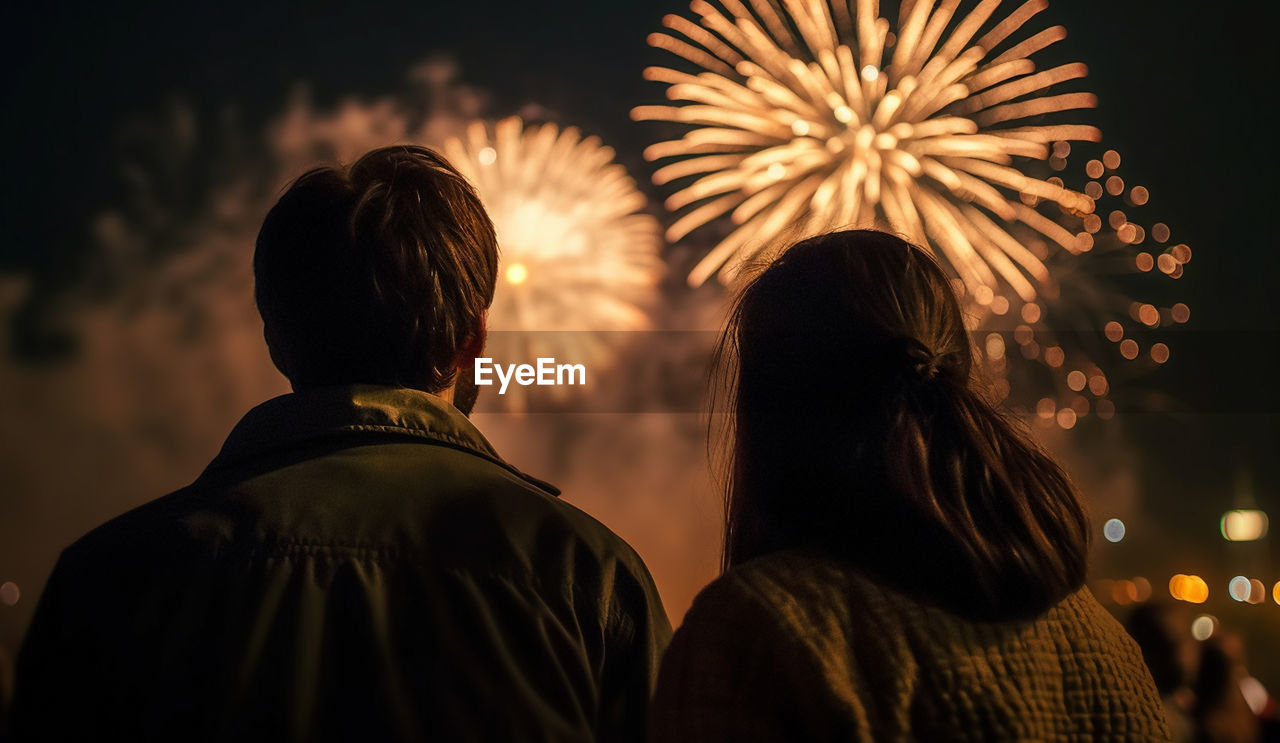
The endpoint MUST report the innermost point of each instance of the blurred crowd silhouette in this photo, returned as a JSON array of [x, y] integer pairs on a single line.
[[1208, 693]]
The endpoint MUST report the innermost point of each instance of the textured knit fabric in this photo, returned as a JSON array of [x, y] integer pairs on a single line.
[[357, 565], [798, 647]]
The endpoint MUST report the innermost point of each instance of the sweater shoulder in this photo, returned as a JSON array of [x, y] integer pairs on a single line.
[[798, 588]]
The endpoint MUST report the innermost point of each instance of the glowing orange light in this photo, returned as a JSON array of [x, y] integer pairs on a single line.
[[1257, 591], [1142, 588], [995, 346], [517, 273], [1114, 331], [1189, 588]]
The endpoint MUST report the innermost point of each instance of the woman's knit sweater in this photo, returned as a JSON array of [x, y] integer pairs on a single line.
[[799, 647]]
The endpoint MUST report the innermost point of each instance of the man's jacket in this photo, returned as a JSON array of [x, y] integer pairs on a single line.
[[356, 564]]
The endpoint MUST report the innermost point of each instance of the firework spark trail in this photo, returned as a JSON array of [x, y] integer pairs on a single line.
[[799, 118], [1083, 330], [580, 257]]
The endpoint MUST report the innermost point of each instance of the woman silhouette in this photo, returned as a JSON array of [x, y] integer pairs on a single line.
[[901, 560]]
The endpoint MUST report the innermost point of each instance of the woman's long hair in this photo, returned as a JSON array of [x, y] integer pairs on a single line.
[[855, 428]]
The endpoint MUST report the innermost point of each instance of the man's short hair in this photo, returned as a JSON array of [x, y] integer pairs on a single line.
[[377, 273]]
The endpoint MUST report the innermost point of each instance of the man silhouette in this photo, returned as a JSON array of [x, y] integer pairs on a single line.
[[357, 563]]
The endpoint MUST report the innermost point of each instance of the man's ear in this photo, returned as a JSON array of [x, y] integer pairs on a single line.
[[473, 346]]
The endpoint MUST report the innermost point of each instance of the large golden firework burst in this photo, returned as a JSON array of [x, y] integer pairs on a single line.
[[580, 257], [813, 114]]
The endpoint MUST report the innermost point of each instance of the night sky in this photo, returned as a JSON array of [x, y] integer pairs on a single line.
[[1186, 92]]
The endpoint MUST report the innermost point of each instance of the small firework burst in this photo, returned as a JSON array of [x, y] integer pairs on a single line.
[[1085, 331], [580, 257], [814, 116]]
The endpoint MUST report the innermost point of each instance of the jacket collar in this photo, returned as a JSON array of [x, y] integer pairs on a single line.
[[352, 412]]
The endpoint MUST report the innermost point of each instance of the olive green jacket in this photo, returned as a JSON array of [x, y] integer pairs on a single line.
[[356, 564]]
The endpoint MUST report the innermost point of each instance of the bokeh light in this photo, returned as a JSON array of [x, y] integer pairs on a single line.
[[1190, 588], [1203, 627], [1238, 588], [1243, 525], [517, 273], [1124, 592], [1255, 695]]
